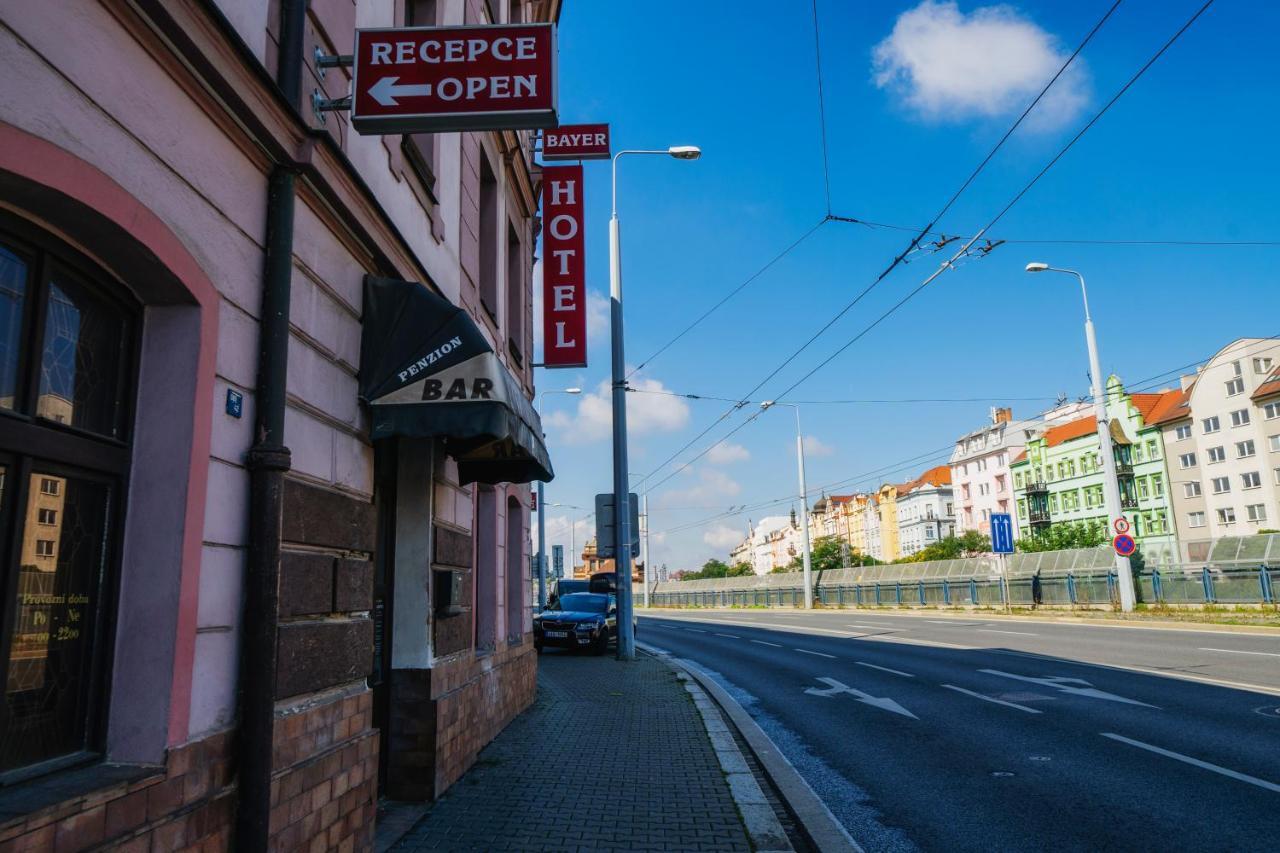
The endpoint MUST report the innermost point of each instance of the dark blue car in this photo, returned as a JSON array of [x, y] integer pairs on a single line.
[[578, 620]]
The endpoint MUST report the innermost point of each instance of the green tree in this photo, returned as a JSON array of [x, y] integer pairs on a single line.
[[1058, 537], [740, 570], [826, 553]]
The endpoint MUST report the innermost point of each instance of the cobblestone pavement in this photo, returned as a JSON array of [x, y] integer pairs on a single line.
[[610, 756]]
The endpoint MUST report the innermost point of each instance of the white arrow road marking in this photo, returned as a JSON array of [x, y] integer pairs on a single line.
[[1062, 684], [992, 699], [1241, 652], [1252, 780], [385, 91], [885, 669], [835, 688]]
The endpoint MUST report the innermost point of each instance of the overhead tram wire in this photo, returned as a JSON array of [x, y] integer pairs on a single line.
[[911, 247], [822, 106], [1016, 198], [989, 399], [1057, 241]]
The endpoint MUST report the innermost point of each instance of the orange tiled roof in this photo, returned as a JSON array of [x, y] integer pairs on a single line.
[[937, 476], [1071, 430], [1172, 406], [1269, 387], [1019, 458]]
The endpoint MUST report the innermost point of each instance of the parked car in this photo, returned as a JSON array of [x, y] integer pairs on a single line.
[[578, 620], [565, 586]]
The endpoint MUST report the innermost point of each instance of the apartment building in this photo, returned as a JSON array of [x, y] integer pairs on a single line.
[[1222, 439], [925, 510], [1058, 479], [196, 438]]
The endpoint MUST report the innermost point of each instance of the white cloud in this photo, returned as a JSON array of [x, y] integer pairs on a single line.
[[726, 453], [813, 446], [646, 413], [946, 65], [723, 536], [713, 487]]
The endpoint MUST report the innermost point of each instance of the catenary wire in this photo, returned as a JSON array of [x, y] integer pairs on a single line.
[[822, 106], [911, 247]]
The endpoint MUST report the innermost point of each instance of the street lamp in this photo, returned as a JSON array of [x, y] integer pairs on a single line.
[[542, 522], [804, 504], [621, 511], [573, 533], [1111, 483]]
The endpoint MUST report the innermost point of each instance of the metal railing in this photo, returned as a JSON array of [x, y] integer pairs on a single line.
[[1231, 570]]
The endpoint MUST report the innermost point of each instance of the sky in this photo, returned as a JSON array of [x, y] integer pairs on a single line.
[[916, 95]]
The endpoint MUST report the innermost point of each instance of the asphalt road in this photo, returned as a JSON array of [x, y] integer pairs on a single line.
[[942, 733]]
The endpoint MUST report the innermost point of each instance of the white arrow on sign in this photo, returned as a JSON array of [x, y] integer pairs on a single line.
[[385, 91], [834, 688], [1063, 684]]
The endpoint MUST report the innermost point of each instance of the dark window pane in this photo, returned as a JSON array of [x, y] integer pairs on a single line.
[[85, 338], [13, 291], [60, 579]]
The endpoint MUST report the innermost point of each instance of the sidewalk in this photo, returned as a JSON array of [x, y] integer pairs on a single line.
[[610, 756]]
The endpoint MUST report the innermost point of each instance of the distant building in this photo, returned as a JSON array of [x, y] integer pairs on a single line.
[[1222, 441], [925, 510], [767, 540], [1058, 479], [593, 563]]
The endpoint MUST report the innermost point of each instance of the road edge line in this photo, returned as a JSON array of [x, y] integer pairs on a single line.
[[813, 816]]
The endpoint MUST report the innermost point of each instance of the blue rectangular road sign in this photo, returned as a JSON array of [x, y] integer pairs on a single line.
[[1002, 532]]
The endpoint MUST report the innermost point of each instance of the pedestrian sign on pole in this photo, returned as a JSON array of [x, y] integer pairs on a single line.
[[1002, 533]]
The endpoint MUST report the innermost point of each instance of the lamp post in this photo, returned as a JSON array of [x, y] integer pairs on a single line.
[[804, 504], [1111, 482], [573, 532], [621, 511], [542, 518]]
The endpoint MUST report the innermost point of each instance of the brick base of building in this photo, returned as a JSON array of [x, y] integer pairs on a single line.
[[442, 717], [188, 804], [324, 787]]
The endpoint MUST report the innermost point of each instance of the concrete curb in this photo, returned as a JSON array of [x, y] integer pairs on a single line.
[[969, 613], [816, 820]]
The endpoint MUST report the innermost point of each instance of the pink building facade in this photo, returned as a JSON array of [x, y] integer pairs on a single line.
[[229, 611]]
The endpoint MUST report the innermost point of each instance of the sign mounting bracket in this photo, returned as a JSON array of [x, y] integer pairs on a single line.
[[325, 61]]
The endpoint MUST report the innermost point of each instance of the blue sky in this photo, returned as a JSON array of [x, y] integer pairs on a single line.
[[916, 95]]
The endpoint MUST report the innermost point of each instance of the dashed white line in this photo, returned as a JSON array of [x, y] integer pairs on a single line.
[[856, 625], [763, 643], [819, 654], [696, 630], [884, 669], [1176, 756], [1242, 652], [730, 636], [998, 631], [991, 699]]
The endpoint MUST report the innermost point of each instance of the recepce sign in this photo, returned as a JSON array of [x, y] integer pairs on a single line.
[[439, 79]]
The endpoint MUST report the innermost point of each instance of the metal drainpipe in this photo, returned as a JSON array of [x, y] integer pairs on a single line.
[[268, 461]]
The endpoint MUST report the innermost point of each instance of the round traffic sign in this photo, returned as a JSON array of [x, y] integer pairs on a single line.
[[1121, 525], [1124, 544]]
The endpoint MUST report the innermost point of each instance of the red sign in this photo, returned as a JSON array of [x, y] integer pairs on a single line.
[[576, 142], [433, 79], [564, 279], [1124, 544]]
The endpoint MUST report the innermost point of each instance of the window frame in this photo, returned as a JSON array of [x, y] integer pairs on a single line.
[[33, 445]]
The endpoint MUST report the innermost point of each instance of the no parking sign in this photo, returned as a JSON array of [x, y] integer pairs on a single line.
[[1124, 544]]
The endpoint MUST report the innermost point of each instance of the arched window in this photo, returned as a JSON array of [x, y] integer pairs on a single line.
[[68, 366]]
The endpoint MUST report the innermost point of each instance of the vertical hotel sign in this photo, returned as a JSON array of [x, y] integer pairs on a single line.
[[564, 284]]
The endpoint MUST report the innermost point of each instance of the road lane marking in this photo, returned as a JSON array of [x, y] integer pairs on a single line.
[[1242, 652], [856, 625], [730, 636], [696, 630], [1124, 667], [997, 631], [835, 688], [1204, 765], [819, 654], [763, 643], [936, 643], [992, 699], [1065, 685], [884, 669]]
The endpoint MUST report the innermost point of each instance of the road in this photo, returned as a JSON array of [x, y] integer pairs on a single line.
[[928, 732]]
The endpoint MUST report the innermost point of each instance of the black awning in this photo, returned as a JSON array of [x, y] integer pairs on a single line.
[[428, 372]]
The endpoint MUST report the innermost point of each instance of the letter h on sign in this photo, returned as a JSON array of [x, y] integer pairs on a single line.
[[564, 285]]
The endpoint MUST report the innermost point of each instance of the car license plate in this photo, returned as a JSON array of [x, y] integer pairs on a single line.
[[558, 634]]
